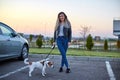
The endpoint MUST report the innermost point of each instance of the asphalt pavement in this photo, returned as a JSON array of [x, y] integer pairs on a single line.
[[82, 68]]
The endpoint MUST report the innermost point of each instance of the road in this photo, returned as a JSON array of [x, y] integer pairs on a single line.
[[81, 69]]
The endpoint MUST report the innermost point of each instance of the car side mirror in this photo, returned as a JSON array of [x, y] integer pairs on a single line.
[[13, 34]]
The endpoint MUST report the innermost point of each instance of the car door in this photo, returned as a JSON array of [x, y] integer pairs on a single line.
[[10, 41], [5, 44], [16, 44]]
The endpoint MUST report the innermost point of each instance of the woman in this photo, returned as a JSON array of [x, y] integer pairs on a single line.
[[62, 36]]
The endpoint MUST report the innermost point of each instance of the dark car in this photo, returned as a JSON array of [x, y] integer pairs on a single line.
[[12, 45]]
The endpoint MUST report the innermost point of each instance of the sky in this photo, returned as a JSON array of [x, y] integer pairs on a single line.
[[39, 16]]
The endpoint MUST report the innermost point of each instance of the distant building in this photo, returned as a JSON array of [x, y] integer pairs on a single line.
[[116, 28], [97, 38]]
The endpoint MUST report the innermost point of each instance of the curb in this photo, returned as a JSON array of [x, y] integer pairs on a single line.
[[88, 58], [78, 58]]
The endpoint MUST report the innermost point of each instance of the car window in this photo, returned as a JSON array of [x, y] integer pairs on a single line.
[[0, 31], [5, 31]]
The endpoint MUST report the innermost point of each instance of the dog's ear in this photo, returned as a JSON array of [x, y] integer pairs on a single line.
[[30, 63], [50, 63], [42, 62]]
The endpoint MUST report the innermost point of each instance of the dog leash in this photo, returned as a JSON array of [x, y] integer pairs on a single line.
[[52, 48]]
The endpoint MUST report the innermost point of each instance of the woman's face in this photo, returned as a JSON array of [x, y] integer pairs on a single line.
[[62, 17]]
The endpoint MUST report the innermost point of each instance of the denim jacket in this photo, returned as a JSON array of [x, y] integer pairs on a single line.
[[66, 31]]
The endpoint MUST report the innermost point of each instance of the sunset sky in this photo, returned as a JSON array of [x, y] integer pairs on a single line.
[[39, 16]]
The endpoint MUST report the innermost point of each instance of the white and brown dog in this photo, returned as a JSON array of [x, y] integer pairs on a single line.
[[42, 64]]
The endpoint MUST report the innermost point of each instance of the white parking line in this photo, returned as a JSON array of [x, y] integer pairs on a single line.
[[109, 70], [13, 72]]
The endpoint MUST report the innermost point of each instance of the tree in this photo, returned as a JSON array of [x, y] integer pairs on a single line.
[[39, 42], [105, 45], [31, 37], [51, 41], [89, 42], [118, 44], [83, 31]]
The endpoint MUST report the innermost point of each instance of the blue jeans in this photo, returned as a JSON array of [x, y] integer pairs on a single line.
[[62, 44]]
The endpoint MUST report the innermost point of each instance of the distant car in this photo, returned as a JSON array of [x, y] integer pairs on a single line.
[[12, 45]]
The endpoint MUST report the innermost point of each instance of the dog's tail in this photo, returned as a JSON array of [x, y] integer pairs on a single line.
[[26, 61]]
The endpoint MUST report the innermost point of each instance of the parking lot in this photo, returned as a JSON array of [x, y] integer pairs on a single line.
[[82, 68]]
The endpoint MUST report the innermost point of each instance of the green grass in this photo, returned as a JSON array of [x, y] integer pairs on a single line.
[[75, 52]]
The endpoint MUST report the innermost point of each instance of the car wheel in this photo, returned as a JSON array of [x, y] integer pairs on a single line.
[[24, 53]]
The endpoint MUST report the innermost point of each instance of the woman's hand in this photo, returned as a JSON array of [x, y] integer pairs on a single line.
[[53, 43], [69, 43]]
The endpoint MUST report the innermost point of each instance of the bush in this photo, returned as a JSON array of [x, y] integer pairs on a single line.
[[118, 44], [89, 42], [39, 42], [105, 45]]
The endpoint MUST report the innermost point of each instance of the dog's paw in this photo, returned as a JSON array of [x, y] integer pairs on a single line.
[[30, 75], [43, 75]]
